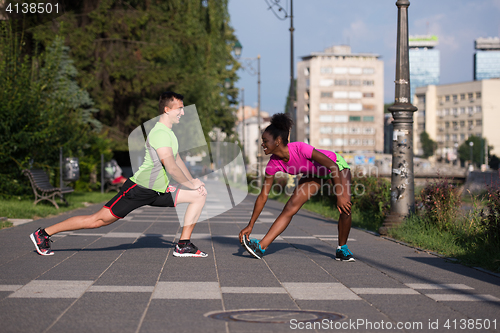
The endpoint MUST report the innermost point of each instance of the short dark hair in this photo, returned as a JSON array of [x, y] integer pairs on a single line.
[[166, 98]]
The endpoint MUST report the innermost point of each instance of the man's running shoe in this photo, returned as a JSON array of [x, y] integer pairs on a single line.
[[344, 254], [253, 247], [189, 250], [42, 243]]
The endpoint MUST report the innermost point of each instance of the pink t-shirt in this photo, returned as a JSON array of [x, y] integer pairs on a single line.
[[300, 161]]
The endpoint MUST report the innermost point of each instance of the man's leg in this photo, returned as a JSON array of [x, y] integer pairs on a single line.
[[41, 240], [101, 218], [196, 201]]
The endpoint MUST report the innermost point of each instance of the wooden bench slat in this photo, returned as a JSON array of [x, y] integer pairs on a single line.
[[40, 181]]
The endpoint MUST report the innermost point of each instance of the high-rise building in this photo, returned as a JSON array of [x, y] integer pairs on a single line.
[[424, 61], [340, 100], [487, 58], [450, 113]]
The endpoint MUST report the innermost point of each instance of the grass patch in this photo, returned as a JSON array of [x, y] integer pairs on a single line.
[[24, 208], [463, 241], [5, 224]]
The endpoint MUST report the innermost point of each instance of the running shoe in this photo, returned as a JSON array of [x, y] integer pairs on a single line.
[[253, 247], [344, 254], [189, 250], [42, 243]]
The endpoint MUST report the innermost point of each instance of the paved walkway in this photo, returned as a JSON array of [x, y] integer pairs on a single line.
[[123, 278]]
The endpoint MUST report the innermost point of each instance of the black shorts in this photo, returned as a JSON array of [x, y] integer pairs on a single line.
[[133, 196]]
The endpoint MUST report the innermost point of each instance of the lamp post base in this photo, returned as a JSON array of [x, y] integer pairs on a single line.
[[392, 220]]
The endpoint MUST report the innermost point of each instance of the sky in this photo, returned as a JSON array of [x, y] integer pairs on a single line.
[[368, 26]]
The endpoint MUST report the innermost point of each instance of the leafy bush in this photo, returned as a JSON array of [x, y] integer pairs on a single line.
[[441, 203], [490, 220], [371, 196]]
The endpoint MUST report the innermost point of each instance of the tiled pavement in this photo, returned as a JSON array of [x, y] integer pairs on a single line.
[[123, 278]]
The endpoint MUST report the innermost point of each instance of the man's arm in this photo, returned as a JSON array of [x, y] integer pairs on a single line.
[[166, 156]]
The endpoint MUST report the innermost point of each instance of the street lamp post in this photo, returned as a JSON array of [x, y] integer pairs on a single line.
[[291, 93], [471, 144], [402, 179], [248, 66]]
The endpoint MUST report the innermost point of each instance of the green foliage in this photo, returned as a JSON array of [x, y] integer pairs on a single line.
[[129, 52], [477, 150], [472, 237], [428, 145], [441, 203], [42, 110], [372, 198]]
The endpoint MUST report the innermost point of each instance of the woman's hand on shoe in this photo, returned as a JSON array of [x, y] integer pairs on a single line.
[[245, 233]]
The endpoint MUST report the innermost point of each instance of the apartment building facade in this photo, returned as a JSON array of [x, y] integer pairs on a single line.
[[450, 113], [340, 100]]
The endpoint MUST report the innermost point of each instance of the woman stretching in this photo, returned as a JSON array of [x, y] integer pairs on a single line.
[[314, 165]]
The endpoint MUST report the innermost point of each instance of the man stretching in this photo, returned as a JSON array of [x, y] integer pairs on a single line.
[[148, 186]]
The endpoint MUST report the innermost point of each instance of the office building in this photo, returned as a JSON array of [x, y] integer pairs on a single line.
[[487, 58], [340, 100], [450, 113], [424, 61]]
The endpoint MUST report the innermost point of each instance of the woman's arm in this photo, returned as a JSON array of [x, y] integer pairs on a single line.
[[343, 201], [259, 205]]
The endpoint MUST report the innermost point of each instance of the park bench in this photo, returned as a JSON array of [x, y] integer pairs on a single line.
[[43, 189]]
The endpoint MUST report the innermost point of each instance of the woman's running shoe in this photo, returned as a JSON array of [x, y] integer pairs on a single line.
[[253, 247], [344, 254]]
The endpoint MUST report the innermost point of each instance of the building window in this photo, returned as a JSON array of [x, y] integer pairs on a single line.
[[340, 70], [340, 106], [340, 130], [462, 110], [341, 119], [447, 98], [368, 94], [354, 142], [308, 83], [306, 119], [368, 107], [454, 137], [325, 119], [339, 142], [306, 107], [354, 118], [462, 137], [355, 94], [478, 94], [447, 124], [325, 70], [326, 106], [455, 111], [446, 112], [354, 82], [326, 94], [326, 82], [447, 137], [478, 109], [368, 118], [368, 142], [470, 95], [455, 124], [340, 94], [462, 123], [325, 142], [368, 130], [471, 122], [368, 70], [462, 97], [479, 122], [325, 130], [341, 82], [470, 109], [355, 70], [306, 71], [355, 130], [455, 98], [368, 82], [355, 106]]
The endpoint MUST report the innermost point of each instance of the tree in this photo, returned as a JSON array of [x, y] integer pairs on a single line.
[[429, 146], [42, 109], [129, 52], [477, 150]]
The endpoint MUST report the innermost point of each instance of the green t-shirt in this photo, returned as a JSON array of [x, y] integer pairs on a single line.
[[151, 173]]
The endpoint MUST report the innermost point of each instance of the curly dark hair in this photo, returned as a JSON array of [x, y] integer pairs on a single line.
[[281, 123]]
